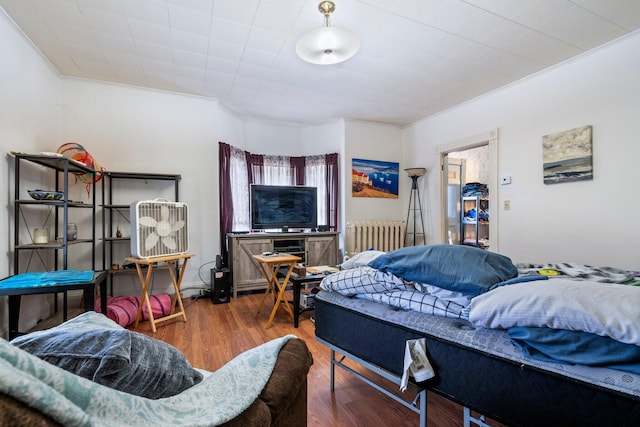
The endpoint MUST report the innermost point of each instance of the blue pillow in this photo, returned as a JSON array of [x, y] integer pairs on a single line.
[[458, 268]]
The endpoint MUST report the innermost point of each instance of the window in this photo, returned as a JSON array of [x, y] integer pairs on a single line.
[[239, 169]]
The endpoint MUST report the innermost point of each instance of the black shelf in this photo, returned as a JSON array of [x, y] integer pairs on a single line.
[[111, 210], [474, 232], [60, 203], [59, 163], [63, 169], [52, 245], [116, 206], [143, 175]]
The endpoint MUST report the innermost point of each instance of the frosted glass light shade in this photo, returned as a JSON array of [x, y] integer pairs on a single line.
[[327, 45]]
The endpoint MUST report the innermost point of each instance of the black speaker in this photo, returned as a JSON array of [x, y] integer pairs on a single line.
[[220, 285], [323, 228]]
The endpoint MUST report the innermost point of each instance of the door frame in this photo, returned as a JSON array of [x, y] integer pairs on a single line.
[[490, 138]]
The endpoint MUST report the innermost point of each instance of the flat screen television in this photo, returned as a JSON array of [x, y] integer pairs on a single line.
[[283, 207]]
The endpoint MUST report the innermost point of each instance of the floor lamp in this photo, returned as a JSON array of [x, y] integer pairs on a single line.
[[414, 174]]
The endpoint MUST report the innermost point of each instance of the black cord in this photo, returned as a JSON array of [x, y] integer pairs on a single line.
[[207, 285]]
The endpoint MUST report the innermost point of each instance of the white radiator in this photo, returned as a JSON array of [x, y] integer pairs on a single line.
[[378, 235], [158, 228]]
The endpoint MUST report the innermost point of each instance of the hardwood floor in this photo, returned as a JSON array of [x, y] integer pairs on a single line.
[[215, 333]]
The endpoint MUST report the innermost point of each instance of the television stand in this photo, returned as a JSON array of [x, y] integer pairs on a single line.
[[317, 248]]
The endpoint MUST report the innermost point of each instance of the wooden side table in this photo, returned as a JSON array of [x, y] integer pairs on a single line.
[[270, 265], [172, 261]]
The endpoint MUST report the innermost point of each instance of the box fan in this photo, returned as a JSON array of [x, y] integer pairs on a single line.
[[158, 228]]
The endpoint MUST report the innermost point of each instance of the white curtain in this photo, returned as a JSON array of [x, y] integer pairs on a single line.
[[315, 175], [276, 171], [239, 194]]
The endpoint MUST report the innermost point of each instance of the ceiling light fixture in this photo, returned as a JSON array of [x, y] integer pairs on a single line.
[[327, 45]]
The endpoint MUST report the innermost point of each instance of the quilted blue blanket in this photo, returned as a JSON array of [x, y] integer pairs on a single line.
[[46, 278]]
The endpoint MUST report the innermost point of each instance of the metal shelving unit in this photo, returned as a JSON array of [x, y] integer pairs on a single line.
[[64, 169], [475, 230], [111, 211]]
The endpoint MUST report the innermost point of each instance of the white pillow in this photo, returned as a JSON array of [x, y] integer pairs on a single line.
[[605, 309], [361, 259]]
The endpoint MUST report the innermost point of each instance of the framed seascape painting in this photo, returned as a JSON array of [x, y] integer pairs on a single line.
[[568, 156], [372, 178]]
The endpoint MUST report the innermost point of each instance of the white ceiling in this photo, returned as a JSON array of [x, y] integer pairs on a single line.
[[418, 57]]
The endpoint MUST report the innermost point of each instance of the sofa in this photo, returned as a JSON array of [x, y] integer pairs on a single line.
[[69, 375]]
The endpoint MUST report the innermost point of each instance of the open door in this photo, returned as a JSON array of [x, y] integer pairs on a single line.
[[454, 176]]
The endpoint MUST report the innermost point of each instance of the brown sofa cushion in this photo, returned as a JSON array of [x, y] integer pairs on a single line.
[[15, 413], [284, 399], [289, 375]]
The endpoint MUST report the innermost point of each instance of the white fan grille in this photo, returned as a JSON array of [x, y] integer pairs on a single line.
[[159, 228]]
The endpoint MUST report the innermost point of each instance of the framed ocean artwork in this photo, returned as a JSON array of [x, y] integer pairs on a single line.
[[568, 156], [373, 178]]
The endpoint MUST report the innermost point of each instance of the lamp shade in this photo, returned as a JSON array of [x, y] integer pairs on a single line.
[[416, 171], [327, 45]]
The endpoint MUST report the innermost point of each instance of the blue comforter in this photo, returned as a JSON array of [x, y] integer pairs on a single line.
[[576, 347]]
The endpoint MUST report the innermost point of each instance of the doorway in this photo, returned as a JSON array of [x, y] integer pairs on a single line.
[[469, 190]]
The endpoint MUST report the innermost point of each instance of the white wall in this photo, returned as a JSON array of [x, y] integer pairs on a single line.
[[373, 141], [231, 129], [323, 139], [588, 222], [29, 122], [264, 137], [128, 129]]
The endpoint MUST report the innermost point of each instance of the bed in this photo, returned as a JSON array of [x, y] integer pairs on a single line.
[[481, 360]]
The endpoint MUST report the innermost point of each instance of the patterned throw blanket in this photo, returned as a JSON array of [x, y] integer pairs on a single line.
[[74, 401], [386, 288], [578, 271]]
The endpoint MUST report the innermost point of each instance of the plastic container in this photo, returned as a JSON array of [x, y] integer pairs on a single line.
[[72, 231]]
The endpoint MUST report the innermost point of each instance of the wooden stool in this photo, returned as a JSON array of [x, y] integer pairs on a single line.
[[146, 280]]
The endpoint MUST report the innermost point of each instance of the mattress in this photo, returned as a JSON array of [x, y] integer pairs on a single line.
[[480, 368]]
